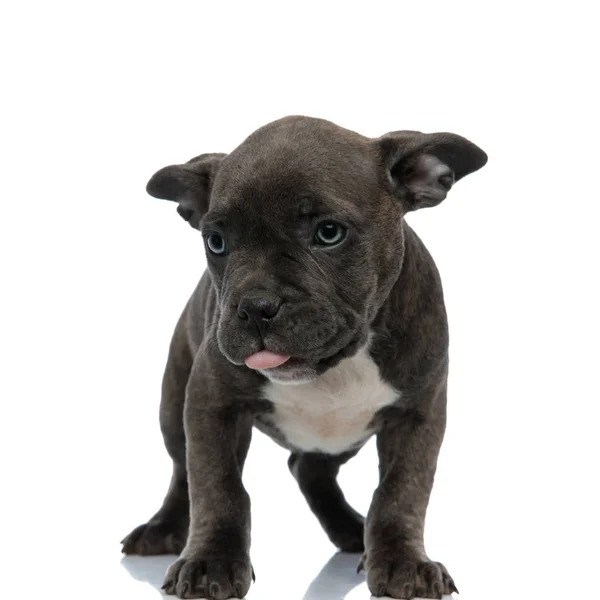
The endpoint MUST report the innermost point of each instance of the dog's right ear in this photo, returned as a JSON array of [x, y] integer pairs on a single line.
[[188, 184]]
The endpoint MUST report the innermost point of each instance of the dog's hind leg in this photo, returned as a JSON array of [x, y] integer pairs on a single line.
[[316, 475], [166, 532]]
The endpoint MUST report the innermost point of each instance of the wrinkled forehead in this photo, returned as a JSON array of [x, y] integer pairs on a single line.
[[290, 174]]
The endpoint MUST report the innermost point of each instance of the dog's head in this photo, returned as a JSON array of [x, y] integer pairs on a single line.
[[302, 225]]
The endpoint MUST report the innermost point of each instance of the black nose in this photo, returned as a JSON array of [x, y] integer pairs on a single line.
[[259, 306]]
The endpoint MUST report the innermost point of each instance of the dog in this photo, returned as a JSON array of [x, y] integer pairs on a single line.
[[320, 321]]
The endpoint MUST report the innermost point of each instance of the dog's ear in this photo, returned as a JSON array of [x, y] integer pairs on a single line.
[[188, 184], [422, 167]]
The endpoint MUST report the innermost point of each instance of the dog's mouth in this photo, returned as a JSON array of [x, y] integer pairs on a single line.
[[282, 368]]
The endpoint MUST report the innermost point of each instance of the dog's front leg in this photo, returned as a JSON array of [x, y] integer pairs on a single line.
[[215, 562], [395, 561]]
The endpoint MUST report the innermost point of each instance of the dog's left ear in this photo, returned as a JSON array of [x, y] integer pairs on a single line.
[[422, 167]]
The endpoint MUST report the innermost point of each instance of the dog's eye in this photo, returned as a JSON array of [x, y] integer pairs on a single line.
[[330, 234], [216, 244]]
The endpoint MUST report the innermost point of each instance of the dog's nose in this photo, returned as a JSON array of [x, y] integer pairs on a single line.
[[260, 306]]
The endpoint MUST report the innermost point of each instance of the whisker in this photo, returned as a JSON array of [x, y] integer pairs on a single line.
[[207, 327], [315, 261]]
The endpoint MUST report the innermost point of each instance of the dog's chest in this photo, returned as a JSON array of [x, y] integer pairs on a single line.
[[333, 413]]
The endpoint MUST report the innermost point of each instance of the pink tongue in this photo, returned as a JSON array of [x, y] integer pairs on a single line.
[[265, 360]]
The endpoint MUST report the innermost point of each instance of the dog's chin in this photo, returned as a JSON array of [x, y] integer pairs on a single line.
[[293, 374]]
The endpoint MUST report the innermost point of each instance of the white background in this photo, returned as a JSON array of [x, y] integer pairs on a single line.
[[97, 96]]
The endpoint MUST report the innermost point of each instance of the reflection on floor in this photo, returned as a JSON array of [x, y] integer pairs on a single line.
[[334, 582]]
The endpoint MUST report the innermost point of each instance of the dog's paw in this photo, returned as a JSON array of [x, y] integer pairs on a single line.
[[350, 537], [203, 577], [156, 538], [398, 578]]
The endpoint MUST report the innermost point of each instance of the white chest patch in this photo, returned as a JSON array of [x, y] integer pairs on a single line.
[[332, 413]]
